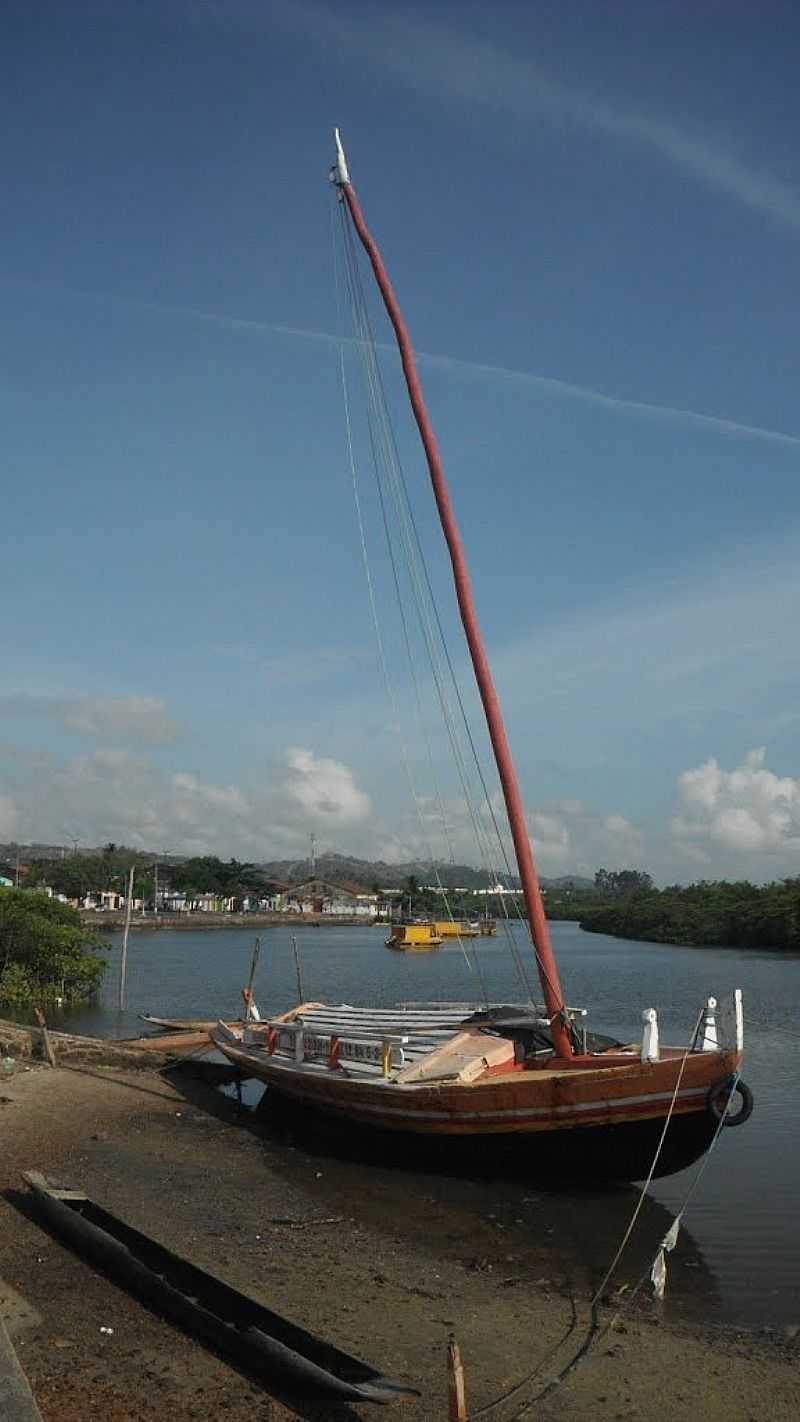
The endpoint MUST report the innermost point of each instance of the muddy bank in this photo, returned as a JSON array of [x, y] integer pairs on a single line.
[[192, 922], [385, 1262], [27, 1044]]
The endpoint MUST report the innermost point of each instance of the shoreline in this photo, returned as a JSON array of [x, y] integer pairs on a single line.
[[199, 922], [383, 1261]]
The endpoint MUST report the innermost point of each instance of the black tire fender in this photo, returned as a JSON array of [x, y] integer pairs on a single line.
[[717, 1100]]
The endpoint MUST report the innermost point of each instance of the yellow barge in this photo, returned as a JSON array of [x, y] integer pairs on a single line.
[[455, 928], [414, 937]]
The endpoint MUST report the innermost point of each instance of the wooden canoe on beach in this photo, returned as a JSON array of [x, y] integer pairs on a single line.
[[263, 1344], [171, 1043], [180, 1024]]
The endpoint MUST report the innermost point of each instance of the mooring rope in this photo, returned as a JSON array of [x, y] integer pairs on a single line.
[[612, 1266], [594, 1330]]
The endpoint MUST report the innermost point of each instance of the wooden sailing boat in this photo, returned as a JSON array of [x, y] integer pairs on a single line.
[[527, 1076]]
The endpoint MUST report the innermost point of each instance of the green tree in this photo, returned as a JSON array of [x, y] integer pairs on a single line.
[[411, 891], [618, 884], [45, 951], [207, 874], [711, 913]]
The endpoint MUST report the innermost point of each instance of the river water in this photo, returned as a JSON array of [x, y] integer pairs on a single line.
[[739, 1253]]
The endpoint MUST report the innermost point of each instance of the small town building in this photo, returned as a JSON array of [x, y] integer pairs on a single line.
[[339, 900]]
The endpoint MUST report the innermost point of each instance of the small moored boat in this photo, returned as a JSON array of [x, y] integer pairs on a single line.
[[262, 1343]]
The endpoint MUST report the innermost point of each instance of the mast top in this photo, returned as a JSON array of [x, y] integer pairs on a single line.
[[340, 174]]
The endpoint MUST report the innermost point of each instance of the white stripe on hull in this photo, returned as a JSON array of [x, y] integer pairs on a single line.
[[515, 1114]]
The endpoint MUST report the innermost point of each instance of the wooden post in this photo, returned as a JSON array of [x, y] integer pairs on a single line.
[[300, 994], [456, 1396], [46, 1043], [123, 967], [248, 992]]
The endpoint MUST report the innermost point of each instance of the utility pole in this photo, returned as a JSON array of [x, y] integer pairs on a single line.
[[164, 855]]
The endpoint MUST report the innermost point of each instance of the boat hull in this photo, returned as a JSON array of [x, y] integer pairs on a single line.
[[616, 1153], [603, 1120], [429, 946]]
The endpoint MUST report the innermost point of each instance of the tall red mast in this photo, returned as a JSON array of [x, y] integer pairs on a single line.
[[546, 963]]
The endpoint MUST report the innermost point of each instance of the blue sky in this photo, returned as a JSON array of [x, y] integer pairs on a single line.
[[591, 214]]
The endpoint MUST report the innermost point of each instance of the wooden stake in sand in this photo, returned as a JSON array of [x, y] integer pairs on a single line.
[[456, 1395], [300, 997], [46, 1043], [247, 993]]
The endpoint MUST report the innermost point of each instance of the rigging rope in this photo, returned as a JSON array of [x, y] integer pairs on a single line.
[[595, 1333], [560, 1025], [382, 653], [385, 453], [422, 585], [381, 441], [612, 1266]]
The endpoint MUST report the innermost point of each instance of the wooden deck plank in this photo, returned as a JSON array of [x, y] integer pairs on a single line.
[[382, 1014]]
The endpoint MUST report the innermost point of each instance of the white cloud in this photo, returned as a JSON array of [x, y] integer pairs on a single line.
[[567, 836], [141, 718], [312, 664], [570, 837], [746, 811], [671, 657], [133, 718], [440, 61], [114, 794], [300, 667], [325, 789], [110, 794]]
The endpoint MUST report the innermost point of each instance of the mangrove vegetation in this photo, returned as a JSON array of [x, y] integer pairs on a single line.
[[707, 914], [45, 951]]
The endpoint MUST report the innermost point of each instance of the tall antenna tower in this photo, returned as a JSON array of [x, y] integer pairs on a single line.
[[313, 855]]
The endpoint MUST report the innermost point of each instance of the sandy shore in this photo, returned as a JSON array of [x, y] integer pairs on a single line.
[[383, 1264]]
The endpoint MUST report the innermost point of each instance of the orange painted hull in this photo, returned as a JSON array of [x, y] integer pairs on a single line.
[[592, 1104]]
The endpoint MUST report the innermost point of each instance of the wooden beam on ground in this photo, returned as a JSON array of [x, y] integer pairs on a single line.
[[456, 1393], [17, 1402]]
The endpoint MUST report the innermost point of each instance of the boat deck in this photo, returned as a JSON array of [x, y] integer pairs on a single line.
[[410, 1044]]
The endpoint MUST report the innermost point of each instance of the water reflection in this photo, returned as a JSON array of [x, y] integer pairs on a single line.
[[743, 1216]]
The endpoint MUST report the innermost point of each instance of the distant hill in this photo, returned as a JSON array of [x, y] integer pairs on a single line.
[[336, 868], [345, 869]]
